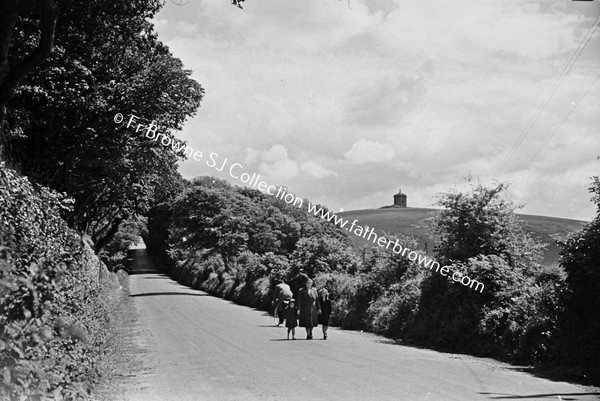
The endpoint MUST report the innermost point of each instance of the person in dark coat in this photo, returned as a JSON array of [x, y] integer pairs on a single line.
[[324, 311], [281, 296], [291, 319], [308, 308]]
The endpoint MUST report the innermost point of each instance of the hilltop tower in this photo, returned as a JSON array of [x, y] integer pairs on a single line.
[[400, 199]]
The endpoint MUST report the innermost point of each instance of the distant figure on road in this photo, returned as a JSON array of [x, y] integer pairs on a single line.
[[281, 296], [291, 319], [308, 307], [324, 311]]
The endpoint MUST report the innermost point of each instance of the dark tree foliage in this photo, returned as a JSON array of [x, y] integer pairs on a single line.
[[580, 326], [61, 131], [212, 227], [211, 215], [323, 254], [12, 73]]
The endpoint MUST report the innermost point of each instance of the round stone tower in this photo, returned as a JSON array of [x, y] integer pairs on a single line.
[[400, 199]]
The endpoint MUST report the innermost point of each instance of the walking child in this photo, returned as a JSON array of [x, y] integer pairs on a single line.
[[324, 311], [291, 319]]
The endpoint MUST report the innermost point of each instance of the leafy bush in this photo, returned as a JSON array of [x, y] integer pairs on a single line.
[[394, 312], [278, 267], [323, 254], [252, 266], [346, 307]]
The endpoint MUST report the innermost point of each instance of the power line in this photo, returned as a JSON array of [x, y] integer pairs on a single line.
[[564, 120], [568, 67]]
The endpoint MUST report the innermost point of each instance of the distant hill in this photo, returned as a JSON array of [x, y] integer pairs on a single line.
[[405, 221]]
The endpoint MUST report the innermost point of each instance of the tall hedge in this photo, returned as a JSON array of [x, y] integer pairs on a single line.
[[579, 337], [54, 312]]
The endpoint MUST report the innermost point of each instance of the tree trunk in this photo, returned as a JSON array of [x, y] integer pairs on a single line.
[[102, 241], [11, 78]]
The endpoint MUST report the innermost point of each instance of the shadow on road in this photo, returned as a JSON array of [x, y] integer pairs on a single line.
[[151, 294], [536, 396], [146, 271]]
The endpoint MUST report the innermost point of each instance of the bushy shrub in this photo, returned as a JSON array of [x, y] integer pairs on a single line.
[[278, 268], [347, 310], [323, 254], [395, 310], [251, 265]]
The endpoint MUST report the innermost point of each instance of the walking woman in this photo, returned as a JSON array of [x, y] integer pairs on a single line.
[[308, 308], [324, 311]]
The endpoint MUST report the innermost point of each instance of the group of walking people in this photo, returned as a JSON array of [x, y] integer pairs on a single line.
[[310, 309]]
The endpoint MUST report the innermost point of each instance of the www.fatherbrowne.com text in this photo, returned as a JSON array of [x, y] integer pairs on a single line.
[[236, 171]]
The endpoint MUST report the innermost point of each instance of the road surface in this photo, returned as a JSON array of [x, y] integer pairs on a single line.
[[198, 347]]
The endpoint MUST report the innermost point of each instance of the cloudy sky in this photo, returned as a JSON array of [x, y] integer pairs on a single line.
[[346, 101]]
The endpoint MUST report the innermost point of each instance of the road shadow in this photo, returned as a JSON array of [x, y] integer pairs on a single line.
[[145, 271], [501, 396], [151, 294], [552, 374]]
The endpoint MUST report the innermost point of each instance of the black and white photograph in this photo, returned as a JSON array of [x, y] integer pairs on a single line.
[[206, 200]]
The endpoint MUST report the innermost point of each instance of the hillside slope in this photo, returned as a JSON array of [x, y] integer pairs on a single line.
[[406, 221]]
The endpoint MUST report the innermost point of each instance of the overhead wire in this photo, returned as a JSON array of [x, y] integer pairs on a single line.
[[565, 71], [563, 121]]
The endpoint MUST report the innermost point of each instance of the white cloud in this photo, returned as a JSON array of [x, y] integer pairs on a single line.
[[365, 151], [315, 170], [275, 163]]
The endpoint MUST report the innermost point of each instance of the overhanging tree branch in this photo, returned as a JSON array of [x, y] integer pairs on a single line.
[[49, 15], [11, 78]]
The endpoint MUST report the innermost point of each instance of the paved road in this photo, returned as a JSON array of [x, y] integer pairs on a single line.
[[197, 347]]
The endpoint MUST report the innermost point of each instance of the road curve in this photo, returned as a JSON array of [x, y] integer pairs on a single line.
[[198, 347]]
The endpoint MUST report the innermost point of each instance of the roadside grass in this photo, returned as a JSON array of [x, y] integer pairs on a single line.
[[121, 359]]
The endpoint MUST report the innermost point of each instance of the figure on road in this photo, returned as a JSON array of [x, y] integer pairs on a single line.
[[291, 319], [324, 311], [282, 294], [308, 307]]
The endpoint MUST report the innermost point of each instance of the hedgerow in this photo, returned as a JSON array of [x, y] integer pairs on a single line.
[[56, 298]]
